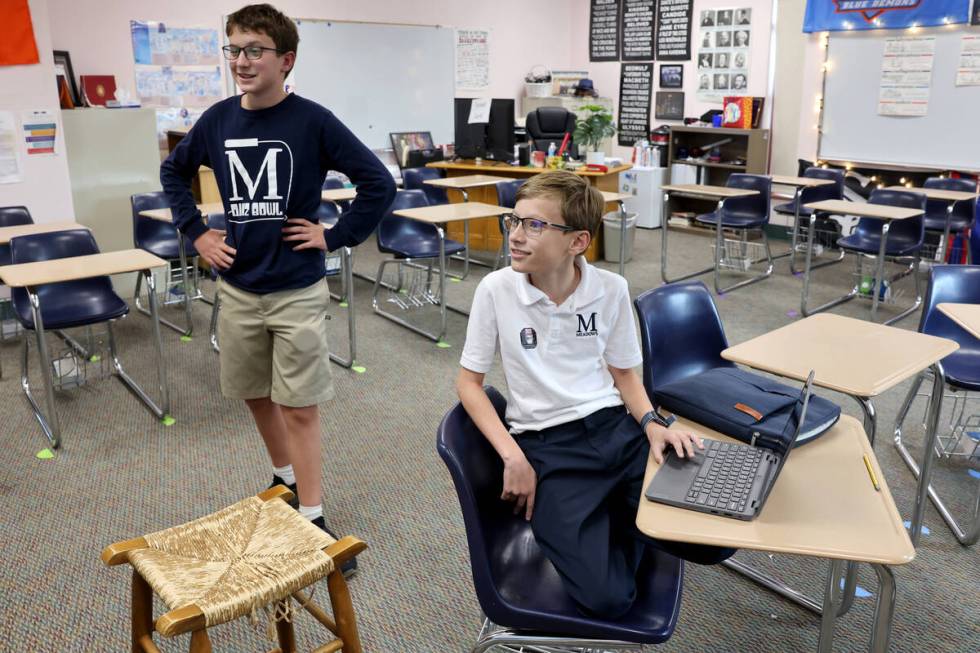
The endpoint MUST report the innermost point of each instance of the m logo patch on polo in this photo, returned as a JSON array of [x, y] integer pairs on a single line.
[[529, 338], [586, 327]]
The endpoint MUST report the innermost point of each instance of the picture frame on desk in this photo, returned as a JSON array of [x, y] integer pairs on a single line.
[[62, 66]]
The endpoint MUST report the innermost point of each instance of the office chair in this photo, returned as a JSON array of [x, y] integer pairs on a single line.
[[547, 125], [960, 214], [519, 591], [740, 214], [960, 371], [162, 239], [415, 178]]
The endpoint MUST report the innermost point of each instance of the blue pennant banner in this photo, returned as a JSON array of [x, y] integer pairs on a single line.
[[843, 15]]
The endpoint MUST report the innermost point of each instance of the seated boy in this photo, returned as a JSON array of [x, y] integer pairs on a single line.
[[575, 455]]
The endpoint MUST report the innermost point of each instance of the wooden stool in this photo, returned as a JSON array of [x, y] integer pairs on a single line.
[[231, 563]]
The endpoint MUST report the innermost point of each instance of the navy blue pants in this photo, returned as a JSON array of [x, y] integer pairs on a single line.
[[590, 479]]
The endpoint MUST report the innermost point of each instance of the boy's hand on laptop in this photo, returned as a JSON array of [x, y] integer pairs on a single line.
[[682, 442], [308, 234], [212, 247], [520, 482]]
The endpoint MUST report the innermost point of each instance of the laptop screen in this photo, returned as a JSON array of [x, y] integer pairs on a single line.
[[405, 142], [791, 431]]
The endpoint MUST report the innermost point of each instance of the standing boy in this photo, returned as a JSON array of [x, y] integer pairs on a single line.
[[574, 456], [270, 152]]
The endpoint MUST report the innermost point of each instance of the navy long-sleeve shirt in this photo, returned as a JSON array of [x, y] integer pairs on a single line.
[[269, 165]]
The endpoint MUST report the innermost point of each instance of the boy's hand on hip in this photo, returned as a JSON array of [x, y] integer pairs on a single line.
[[212, 247], [682, 441], [520, 483], [308, 234]]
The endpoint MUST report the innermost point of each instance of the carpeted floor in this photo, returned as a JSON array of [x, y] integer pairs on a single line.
[[120, 474]]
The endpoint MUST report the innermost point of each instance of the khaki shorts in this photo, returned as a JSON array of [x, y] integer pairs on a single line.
[[275, 345]]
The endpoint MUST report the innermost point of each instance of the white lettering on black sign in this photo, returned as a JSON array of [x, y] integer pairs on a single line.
[[674, 30], [604, 30], [635, 86], [638, 16]]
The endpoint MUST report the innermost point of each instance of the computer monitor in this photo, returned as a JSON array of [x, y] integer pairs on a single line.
[[491, 140], [405, 142]]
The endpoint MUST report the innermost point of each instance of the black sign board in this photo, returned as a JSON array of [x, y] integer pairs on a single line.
[[635, 87], [638, 17], [604, 30], [674, 30]]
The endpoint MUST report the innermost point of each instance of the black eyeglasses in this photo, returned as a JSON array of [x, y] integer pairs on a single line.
[[533, 226], [252, 52]]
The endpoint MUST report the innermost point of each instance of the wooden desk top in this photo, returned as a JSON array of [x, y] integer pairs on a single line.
[[938, 193], [803, 182], [864, 210], [467, 181], [608, 196], [6, 233], [966, 315], [338, 194], [450, 212], [164, 215], [852, 356], [823, 504], [78, 267], [493, 166], [704, 190]]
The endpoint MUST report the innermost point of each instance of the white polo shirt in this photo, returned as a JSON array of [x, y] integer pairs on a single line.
[[555, 357]]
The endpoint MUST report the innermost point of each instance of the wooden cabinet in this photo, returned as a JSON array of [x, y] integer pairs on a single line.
[[742, 150]]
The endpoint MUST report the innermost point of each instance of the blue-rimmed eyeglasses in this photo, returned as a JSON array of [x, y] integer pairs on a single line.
[[533, 226], [252, 52]]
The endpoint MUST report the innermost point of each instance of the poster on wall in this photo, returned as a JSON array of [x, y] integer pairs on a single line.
[[837, 15], [669, 105], [178, 86], [40, 132], [637, 29], [968, 69], [674, 30], [156, 44], [635, 88], [472, 59], [906, 76], [10, 172], [723, 56], [604, 30]]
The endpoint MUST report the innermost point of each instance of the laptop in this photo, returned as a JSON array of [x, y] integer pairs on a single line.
[[727, 478]]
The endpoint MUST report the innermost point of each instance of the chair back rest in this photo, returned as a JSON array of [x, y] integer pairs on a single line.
[[415, 178], [833, 191], [975, 245], [393, 226], [913, 228], [757, 205], [146, 229], [327, 213], [507, 192], [680, 332], [937, 208], [14, 216], [955, 284], [332, 182], [477, 474], [546, 125]]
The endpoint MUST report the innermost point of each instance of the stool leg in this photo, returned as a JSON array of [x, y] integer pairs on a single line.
[[200, 643], [343, 612], [287, 637], [142, 623]]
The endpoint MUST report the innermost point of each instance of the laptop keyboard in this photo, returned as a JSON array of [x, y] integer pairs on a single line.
[[726, 476]]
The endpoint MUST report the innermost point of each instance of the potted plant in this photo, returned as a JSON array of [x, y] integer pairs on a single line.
[[592, 129]]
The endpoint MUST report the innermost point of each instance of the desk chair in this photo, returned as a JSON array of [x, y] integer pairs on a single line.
[[681, 335], [547, 125], [68, 305], [519, 591], [805, 196], [12, 216], [902, 239], [415, 178], [162, 239], [409, 241], [741, 214], [506, 196], [332, 182], [961, 214], [960, 372]]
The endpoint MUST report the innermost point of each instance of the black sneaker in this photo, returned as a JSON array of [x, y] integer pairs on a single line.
[[349, 567], [294, 502]]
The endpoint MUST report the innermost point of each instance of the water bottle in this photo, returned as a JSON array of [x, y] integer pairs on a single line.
[[552, 148]]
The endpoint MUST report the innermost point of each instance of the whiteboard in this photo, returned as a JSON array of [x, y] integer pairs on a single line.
[[379, 78], [947, 137]]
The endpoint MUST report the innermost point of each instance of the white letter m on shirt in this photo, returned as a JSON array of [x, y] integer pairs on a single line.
[[268, 167]]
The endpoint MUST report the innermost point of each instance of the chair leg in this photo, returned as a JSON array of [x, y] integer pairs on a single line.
[[343, 612], [287, 636], [142, 612], [49, 423], [200, 643]]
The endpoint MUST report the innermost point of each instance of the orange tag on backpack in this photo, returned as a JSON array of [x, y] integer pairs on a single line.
[[748, 410]]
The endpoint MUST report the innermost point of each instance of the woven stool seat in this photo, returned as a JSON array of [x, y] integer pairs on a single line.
[[255, 553], [236, 560]]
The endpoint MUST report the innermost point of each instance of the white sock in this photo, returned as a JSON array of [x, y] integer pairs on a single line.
[[285, 473], [311, 512]]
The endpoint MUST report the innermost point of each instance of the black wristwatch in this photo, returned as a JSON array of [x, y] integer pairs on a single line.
[[654, 416]]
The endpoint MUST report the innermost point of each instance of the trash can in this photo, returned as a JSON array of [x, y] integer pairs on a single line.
[[611, 231]]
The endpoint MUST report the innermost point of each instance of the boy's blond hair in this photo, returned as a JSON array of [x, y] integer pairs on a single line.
[[580, 204]]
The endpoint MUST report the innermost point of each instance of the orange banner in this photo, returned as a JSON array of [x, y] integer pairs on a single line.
[[17, 45]]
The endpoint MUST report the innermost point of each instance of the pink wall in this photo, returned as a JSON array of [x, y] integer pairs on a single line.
[[46, 190]]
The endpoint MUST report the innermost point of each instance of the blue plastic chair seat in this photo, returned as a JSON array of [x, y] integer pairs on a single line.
[[962, 368], [415, 245], [898, 244], [71, 304], [789, 208], [733, 219], [938, 223], [165, 245]]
